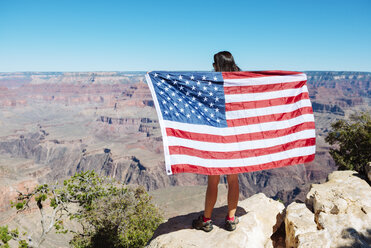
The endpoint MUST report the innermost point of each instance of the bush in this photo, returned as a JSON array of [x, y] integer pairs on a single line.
[[351, 140], [111, 214]]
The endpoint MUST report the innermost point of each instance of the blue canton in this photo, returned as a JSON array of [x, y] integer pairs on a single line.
[[191, 97]]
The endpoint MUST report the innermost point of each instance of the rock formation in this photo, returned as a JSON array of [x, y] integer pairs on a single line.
[[336, 214]]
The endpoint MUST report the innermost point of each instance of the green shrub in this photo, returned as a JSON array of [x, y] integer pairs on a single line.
[[351, 141]]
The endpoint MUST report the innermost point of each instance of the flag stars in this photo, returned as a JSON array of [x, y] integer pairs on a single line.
[[182, 110], [216, 99], [158, 83], [215, 78], [173, 94], [181, 87], [163, 101], [210, 93], [180, 77], [188, 116], [192, 77], [177, 114], [156, 74], [166, 112], [203, 78], [198, 83], [175, 82], [180, 99], [162, 81], [193, 87], [211, 115], [187, 82], [217, 120], [209, 83], [216, 110], [161, 92], [215, 88], [199, 93], [168, 76], [205, 99], [211, 105], [204, 88]]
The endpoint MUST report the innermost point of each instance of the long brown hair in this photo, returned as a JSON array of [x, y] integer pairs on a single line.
[[224, 61]]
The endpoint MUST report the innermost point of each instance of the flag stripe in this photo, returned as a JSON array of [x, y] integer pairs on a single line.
[[262, 88], [186, 159], [246, 113], [189, 168], [243, 145], [269, 118], [264, 96], [241, 154], [258, 74], [260, 127], [239, 137], [265, 103], [264, 80]]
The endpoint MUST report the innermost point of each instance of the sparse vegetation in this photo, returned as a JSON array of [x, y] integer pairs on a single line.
[[110, 214], [351, 142]]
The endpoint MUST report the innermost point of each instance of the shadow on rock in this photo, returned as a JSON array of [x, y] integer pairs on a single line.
[[359, 239], [185, 221]]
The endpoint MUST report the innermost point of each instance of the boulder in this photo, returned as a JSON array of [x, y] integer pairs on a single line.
[[259, 218], [341, 214]]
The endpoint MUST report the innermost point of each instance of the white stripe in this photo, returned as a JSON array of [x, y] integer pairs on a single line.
[[253, 128], [264, 95], [219, 163], [239, 146], [246, 113], [264, 80]]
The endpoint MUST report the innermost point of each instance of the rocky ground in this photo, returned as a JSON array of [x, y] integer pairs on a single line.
[[336, 214]]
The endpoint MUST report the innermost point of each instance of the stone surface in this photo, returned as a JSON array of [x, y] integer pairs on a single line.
[[259, 218], [342, 207]]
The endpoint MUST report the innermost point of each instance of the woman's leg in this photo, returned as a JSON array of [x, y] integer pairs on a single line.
[[211, 194], [233, 194]]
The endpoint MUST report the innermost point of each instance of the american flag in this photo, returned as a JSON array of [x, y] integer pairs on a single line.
[[233, 122]]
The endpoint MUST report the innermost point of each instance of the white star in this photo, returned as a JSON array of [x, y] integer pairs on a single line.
[[199, 104], [166, 89], [171, 108], [192, 111], [163, 101], [161, 92], [207, 119], [177, 114], [180, 99], [167, 76], [209, 83], [175, 104], [166, 112], [217, 120], [216, 99], [181, 110], [193, 87], [211, 104], [175, 82], [199, 116], [180, 77], [173, 94], [158, 83], [186, 105], [215, 78], [216, 110], [187, 93], [168, 98], [211, 115], [204, 88], [205, 99], [187, 82], [210, 93], [198, 83], [170, 86], [188, 116], [196, 108], [199, 93], [156, 75], [192, 77], [163, 81], [215, 88], [205, 109], [203, 78], [181, 87]]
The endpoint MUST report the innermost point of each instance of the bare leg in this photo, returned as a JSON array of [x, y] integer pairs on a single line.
[[233, 194], [211, 194]]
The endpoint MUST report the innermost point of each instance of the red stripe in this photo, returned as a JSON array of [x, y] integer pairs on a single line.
[[241, 154], [188, 168], [263, 88], [269, 118], [240, 137], [255, 74], [265, 103]]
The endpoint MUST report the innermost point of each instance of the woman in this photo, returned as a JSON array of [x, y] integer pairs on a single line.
[[223, 61]]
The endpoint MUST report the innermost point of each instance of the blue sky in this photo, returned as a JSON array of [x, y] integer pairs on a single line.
[[63, 35]]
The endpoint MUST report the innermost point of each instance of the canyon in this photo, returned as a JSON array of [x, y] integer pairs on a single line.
[[53, 124]]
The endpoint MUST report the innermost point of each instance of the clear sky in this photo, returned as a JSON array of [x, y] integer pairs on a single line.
[[89, 35]]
